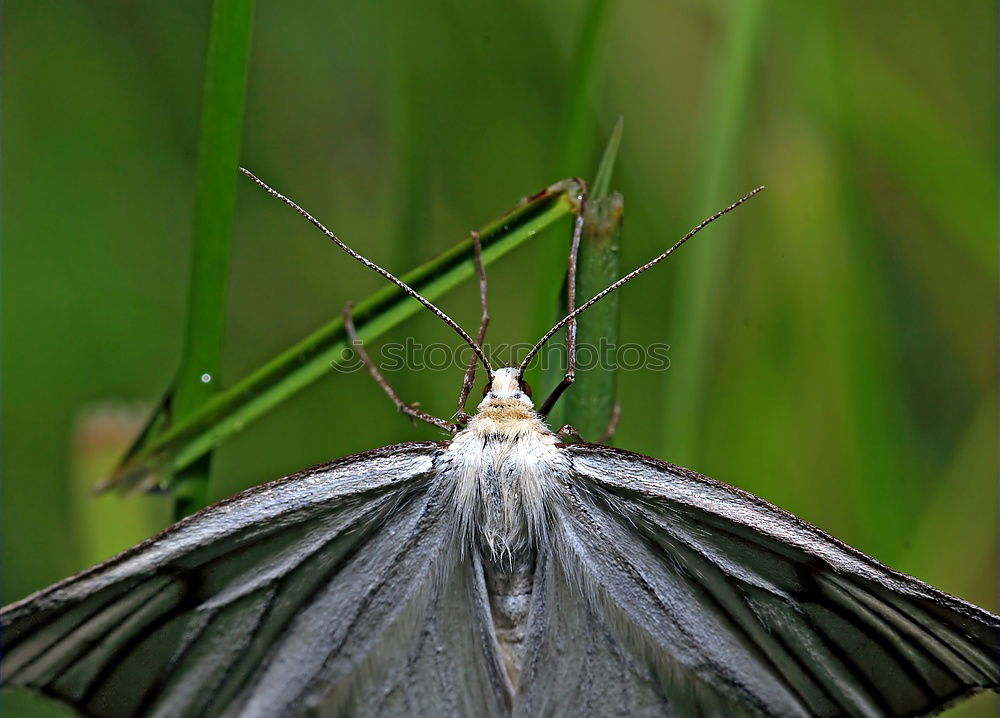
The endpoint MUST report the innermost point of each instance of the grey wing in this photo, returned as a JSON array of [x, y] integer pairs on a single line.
[[278, 601], [584, 658], [453, 667], [714, 594]]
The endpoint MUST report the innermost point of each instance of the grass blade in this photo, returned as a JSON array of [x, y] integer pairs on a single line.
[[589, 404], [584, 72], [215, 199], [695, 307], [605, 170], [574, 156]]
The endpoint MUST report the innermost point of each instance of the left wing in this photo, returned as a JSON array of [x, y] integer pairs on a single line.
[[297, 596]]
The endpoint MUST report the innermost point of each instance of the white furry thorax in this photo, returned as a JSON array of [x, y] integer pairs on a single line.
[[502, 470]]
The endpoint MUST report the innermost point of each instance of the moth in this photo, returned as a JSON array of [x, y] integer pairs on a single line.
[[506, 571]]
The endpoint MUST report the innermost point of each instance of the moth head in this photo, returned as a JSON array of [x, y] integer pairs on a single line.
[[506, 385]]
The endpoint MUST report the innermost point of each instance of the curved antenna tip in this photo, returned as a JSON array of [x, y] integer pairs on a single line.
[[631, 275]]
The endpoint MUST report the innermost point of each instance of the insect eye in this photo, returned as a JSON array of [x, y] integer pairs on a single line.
[[526, 388]]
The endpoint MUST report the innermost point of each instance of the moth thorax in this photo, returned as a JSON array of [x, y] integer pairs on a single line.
[[504, 467]]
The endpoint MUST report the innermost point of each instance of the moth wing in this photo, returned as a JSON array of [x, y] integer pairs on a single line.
[[580, 659], [452, 666], [284, 599], [713, 589]]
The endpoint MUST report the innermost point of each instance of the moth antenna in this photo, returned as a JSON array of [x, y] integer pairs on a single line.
[[371, 265], [634, 273]]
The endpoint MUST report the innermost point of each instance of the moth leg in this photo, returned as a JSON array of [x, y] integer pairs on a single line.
[[484, 321], [616, 415], [568, 432], [408, 409], [574, 250]]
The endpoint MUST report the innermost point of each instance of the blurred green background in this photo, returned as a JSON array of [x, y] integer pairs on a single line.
[[834, 343]]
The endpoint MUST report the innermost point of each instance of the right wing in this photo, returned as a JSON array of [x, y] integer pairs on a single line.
[[296, 596], [699, 594]]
